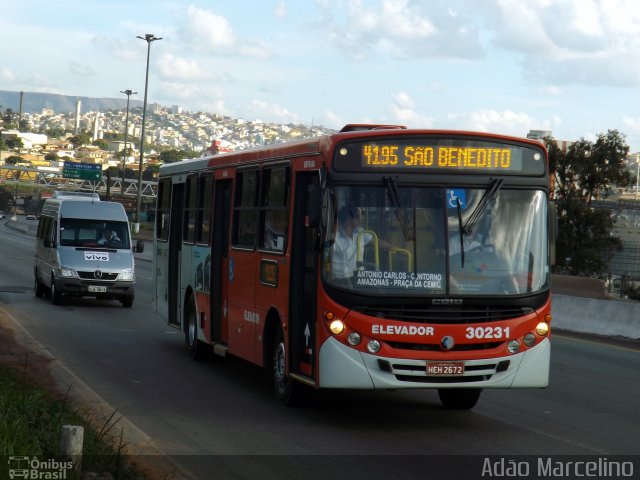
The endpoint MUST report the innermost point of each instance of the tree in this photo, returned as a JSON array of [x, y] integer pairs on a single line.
[[585, 172], [171, 156], [102, 144], [82, 138], [13, 159]]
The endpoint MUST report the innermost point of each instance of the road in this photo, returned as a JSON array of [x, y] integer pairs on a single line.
[[220, 416]]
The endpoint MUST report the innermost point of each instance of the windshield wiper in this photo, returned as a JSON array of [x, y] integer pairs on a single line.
[[407, 228], [488, 197]]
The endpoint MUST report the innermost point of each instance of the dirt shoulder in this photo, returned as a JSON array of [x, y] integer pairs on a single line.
[[36, 366]]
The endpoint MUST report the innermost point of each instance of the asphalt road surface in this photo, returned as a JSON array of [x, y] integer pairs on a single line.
[[219, 419]]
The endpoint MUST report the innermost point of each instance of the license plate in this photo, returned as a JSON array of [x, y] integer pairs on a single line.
[[445, 369], [97, 289]]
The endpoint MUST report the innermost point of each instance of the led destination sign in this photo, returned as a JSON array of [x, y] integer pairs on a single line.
[[444, 155]]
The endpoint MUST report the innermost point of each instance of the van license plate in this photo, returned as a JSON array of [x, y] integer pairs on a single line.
[[97, 289], [445, 369]]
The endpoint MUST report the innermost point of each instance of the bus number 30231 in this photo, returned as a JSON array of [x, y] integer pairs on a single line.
[[487, 332]]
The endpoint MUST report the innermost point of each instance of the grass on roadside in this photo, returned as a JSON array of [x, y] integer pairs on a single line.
[[31, 421]]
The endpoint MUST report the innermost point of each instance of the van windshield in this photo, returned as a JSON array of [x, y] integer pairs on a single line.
[[76, 232]]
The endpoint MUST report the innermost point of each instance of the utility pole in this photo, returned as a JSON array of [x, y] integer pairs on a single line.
[[128, 93], [149, 37]]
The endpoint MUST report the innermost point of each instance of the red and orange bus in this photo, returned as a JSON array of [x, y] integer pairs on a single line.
[[378, 257]]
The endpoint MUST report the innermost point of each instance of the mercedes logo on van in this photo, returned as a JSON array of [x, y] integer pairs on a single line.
[[447, 343], [97, 274]]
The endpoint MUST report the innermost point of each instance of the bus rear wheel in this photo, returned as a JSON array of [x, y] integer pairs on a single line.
[[459, 399], [197, 349], [287, 390]]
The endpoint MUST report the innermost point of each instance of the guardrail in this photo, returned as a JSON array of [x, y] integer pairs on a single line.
[[12, 175]]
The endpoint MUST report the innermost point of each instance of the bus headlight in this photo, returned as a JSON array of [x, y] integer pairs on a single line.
[[513, 346], [373, 346], [336, 327], [529, 339], [354, 339], [126, 275], [68, 272], [542, 329]]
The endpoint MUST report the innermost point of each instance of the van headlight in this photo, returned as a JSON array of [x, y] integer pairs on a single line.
[[68, 272], [126, 275]]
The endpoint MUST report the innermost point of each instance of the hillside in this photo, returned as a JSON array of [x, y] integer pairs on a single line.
[[34, 102]]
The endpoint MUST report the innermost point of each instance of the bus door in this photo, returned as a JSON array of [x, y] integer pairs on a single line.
[[303, 284], [220, 263], [175, 252]]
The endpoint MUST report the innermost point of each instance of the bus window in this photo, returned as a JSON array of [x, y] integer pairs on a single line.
[[275, 208], [189, 234], [244, 213]]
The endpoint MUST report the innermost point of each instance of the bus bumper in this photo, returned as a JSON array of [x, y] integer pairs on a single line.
[[344, 367]]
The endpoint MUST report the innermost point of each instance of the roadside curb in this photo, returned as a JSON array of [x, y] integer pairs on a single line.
[[141, 450]]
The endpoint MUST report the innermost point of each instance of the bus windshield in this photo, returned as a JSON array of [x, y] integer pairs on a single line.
[[395, 240]]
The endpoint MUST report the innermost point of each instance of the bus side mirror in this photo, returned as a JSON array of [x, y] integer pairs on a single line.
[[139, 246]]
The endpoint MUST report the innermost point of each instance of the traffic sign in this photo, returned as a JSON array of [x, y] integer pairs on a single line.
[[82, 171]]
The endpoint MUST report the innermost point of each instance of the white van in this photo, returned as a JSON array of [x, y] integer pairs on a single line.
[[83, 248]]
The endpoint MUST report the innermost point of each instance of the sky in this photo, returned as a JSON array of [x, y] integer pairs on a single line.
[[502, 66]]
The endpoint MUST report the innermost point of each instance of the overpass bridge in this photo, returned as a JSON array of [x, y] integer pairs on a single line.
[[13, 176]]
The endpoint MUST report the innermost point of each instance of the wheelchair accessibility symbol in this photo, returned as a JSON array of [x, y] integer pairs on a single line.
[[454, 195]]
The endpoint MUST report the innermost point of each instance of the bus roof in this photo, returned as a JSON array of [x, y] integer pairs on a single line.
[[324, 143]]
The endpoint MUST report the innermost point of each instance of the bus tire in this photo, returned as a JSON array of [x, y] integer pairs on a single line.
[[459, 399], [287, 390], [197, 349]]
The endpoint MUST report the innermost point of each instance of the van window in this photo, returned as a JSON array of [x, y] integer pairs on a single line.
[[75, 232]]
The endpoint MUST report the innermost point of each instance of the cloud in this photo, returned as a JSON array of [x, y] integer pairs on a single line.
[[333, 120], [80, 70], [7, 75], [403, 110], [505, 122], [589, 42], [209, 33], [281, 9], [172, 67], [273, 111], [401, 29]]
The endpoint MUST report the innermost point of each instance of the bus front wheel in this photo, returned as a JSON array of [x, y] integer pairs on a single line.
[[459, 399]]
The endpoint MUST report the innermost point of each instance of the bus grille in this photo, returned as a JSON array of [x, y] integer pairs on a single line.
[[439, 315], [468, 347]]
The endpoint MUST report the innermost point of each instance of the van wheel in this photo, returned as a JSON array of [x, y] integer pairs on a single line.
[[56, 296], [38, 287], [459, 399], [197, 350], [127, 302], [287, 390]]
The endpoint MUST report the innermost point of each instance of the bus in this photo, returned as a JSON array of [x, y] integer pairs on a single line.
[[376, 257]]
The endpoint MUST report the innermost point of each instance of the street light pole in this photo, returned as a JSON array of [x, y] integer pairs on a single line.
[[149, 37], [637, 173], [128, 93]]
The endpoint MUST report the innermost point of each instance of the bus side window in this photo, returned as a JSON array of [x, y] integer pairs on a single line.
[[245, 216], [274, 208]]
